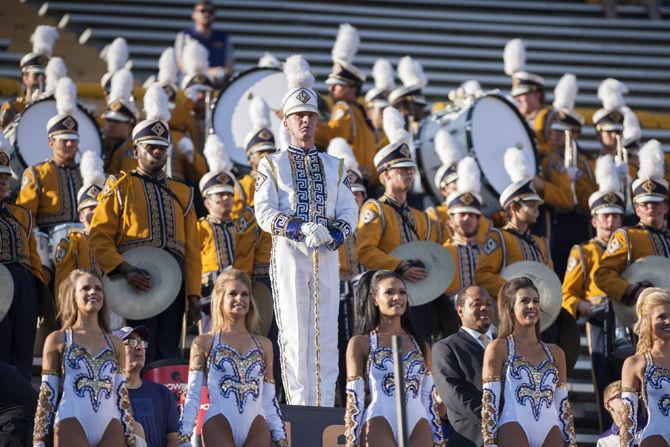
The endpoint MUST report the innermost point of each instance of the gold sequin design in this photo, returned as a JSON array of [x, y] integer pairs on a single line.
[[44, 413], [626, 432], [565, 416], [413, 364], [489, 417], [535, 391], [350, 418], [245, 379], [98, 379], [123, 402]]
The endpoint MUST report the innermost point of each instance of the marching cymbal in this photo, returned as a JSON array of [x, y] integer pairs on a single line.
[[438, 263], [547, 283], [263, 296], [165, 284], [656, 270], [6, 291]]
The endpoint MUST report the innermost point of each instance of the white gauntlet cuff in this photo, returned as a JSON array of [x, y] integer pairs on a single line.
[[491, 391], [429, 402], [353, 417], [189, 412], [565, 415], [46, 406], [273, 413], [629, 402]]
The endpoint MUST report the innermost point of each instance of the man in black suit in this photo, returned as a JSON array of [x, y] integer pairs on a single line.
[[457, 367]]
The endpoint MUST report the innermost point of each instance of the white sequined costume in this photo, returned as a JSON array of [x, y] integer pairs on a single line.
[[295, 187]]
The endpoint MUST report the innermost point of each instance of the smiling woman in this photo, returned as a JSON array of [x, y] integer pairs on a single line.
[[93, 407]]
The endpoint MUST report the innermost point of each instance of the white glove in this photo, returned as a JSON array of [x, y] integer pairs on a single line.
[[307, 228], [622, 169], [322, 234], [311, 241], [573, 173]]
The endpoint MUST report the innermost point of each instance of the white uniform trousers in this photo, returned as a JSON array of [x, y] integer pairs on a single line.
[[293, 280]]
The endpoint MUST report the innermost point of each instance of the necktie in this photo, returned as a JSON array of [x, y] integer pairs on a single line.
[[484, 339]]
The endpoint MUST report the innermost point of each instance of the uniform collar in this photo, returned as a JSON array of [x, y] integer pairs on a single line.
[[302, 151], [161, 175], [663, 231], [599, 243], [514, 229], [391, 201], [71, 165], [216, 220]]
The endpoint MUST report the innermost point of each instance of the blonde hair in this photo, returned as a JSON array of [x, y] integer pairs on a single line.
[[506, 301], [68, 312], [648, 299], [611, 391], [220, 320]]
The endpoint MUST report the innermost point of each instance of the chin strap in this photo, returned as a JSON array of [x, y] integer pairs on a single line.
[[565, 415], [125, 410], [428, 393], [189, 412], [353, 417], [46, 407], [273, 414], [629, 402], [490, 410]]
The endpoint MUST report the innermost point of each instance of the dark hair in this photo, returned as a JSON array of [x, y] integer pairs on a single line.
[[207, 3], [462, 294], [366, 314], [506, 299]]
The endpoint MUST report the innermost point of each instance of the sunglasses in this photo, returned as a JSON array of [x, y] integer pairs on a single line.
[[135, 343], [205, 10]]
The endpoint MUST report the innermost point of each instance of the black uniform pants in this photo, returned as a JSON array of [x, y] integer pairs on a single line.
[[18, 403]]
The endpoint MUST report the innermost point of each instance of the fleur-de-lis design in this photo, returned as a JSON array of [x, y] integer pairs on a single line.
[[98, 378], [656, 377], [246, 377], [535, 390], [414, 368]]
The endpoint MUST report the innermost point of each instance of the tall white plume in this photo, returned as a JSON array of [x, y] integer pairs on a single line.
[[259, 113], [116, 55], [606, 176], [168, 71], [195, 57], [66, 96], [122, 85], [54, 71], [383, 74], [411, 73], [297, 72], [469, 176], [471, 87], [517, 165], [514, 56], [269, 60], [651, 160], [446, 147], [216, 155], [5, 144], [339, 148], [631, 125], [565, 92], [43, 39], [610, 93], [394, 125], [156, 104], [91, 168], [346, 43]]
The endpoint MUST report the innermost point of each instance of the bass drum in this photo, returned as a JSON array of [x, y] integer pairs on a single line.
[[29, 136], [230, 117], [484, 127]]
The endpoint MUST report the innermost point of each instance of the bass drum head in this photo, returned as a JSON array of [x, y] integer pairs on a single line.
[[230, 117], [427, 158], [31, 132], [493, 125]]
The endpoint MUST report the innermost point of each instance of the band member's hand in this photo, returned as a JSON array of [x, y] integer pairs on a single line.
[[584, 307], [194, 310], [311, 241], [413, 274], [322, 234], [139, 280], [622, 169], [308, 228]]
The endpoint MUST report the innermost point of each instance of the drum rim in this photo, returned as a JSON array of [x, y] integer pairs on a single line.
[[17, 148], [230, 81], [468, 136]]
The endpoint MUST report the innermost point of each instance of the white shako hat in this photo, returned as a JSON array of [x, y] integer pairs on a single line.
[[116, 56], [466, 198], [64, 125], [219, 179], [450, 154], [93, 179], [610, 116], [519, 170], [300, 96], [154, 129], [345, 48], [608, 199], [523, 81], [396, 154], [383, 75], [565, 93], [43, 40], [650, 185]]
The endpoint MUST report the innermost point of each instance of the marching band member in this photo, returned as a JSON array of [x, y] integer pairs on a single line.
[[348, 118], [382, 313], [580, 294], [217, 238], [83, 396], [376, 98], [528, 92], [409, 98], [389, 221], [49, 189], [446, 177], [145, 208], [258, 141], [237, 366], [645, 379], [73, 251], [32, 72], [115, 56], [303, 199], [118, 121], [525, 392], [649, 237], [20, 257], [513, 242]]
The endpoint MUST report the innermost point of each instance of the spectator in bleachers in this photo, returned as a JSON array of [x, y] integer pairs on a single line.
[[218, 43], [153, 405]]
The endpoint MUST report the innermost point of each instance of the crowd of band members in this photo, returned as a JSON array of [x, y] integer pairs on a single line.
[[135, 203]]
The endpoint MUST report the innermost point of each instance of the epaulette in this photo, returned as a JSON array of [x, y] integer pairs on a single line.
[[110, 187], [369, 215], [245, 220], [62, 248]]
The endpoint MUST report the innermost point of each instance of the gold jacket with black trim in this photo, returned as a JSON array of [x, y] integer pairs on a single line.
[[349, 121], [50, 191], [627, 245], [18, 241], [465, 256], [504, 247], [137, 210], [440, 214], [253, 245], [217, 244], [578, 282], [10, 109], [244, 194], [381, 228], [72, 253]]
